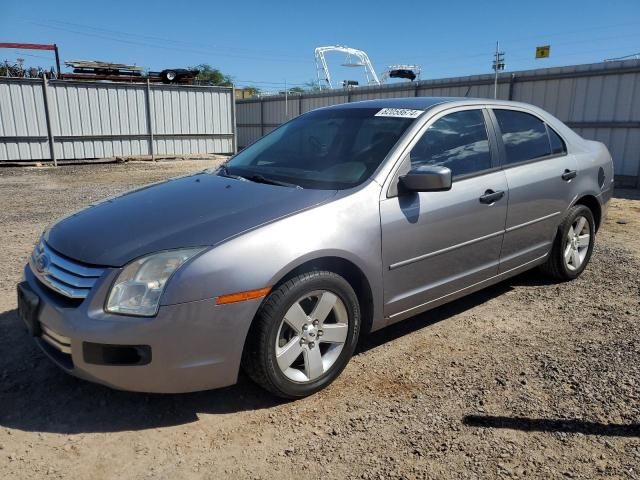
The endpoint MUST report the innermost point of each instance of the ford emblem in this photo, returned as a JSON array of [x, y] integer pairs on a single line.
[[42, 261]]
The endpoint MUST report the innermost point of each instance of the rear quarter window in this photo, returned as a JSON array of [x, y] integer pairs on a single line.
[[557, 144]]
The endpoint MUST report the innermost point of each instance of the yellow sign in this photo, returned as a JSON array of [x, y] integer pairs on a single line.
[[543, 52]]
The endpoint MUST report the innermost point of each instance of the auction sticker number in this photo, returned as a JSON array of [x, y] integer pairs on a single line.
[[399, 112]]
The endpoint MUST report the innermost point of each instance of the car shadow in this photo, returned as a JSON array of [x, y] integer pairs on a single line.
[[431, 317], [530, 278], [35, 395], [553, 425]]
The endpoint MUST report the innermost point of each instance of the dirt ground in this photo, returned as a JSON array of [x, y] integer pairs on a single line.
[[525, 379]]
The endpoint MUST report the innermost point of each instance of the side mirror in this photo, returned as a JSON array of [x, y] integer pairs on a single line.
[[427, 178]]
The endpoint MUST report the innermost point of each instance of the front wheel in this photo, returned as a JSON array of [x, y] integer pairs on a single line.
[[573, 245], [304, 335]]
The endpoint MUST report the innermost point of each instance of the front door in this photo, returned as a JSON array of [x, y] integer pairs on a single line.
[[435, 244]]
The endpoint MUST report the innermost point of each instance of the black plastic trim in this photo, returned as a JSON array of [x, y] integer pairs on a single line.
[[116, 355]]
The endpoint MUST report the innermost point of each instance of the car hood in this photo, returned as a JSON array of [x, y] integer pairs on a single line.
[[203, 209]]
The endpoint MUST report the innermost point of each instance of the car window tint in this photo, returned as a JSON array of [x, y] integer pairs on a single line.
[[524, 136], [458, 141], [557, 144]]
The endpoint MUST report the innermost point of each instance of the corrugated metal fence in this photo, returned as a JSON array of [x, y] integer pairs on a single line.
[[87, 120], [600, 101]]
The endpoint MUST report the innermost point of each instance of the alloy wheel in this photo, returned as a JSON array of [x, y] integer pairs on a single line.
[[311, 336], [578, 241]]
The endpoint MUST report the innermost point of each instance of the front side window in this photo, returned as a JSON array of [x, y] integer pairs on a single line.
[[457, 141], [326, 149], [524, 136]]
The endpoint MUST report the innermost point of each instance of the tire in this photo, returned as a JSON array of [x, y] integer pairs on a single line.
[[168, 76], [273, 342], [569, 258]]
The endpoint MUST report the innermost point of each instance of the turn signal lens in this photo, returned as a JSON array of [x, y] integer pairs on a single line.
[[242, 296]]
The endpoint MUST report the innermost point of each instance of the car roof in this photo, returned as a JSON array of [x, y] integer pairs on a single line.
[[419, 103]]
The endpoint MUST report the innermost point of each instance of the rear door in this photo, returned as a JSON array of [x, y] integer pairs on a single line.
[[435, 244], [540, 173]]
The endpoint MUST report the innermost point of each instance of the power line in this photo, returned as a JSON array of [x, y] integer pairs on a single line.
[[174, 41], [457, 59], [299, 59], [625, 57], [174, 45], [271, 83], [157, 46], [485, 54], [572, 54], [570, 32], [22, 54]]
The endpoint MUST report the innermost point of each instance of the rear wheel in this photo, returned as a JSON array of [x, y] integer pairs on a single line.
[[304, 335], [573, 245]]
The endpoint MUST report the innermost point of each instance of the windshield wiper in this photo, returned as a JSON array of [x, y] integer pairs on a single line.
[[271, 181], [224, 172]]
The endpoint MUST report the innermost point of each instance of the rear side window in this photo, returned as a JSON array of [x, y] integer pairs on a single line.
[[458, 141], [524, 136], [557, 144]]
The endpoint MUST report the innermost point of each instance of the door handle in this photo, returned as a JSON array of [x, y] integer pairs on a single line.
[[569, 174], [490, 196]]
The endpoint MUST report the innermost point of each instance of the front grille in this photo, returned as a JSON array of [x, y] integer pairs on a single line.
[[64, 276]]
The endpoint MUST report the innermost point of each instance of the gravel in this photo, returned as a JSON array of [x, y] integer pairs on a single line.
[[525, 379]]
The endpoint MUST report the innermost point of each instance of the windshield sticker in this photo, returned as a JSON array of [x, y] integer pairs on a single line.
[[399, 112]]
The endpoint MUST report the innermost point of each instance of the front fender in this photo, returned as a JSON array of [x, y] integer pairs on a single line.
[[348, 228]]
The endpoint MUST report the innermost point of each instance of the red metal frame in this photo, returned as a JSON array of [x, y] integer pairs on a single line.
[[35, 46]]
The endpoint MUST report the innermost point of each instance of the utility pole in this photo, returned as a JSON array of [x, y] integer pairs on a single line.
[[57, 54], [498, 65]]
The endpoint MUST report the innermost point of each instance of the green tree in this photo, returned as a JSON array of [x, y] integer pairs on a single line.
[[252, 90], [212, 75], [311, 86]]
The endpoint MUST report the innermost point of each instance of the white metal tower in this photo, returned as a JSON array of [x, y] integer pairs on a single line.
[[322, 69]]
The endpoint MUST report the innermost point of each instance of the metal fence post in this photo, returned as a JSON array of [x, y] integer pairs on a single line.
[[150, 121], [55, 49], [47, 116], [234, 125], [261, 117], [512, 81]]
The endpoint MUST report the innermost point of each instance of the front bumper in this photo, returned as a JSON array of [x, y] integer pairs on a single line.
[[192, 346]]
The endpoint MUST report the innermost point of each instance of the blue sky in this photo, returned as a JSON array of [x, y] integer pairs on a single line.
[[267, 43]]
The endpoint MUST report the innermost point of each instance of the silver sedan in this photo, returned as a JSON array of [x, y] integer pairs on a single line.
[[340, 222]]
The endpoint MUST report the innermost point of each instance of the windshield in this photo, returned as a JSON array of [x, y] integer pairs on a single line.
[[325, 149]]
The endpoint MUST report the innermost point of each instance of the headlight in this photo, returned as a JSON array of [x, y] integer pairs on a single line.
[[138, 288]]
